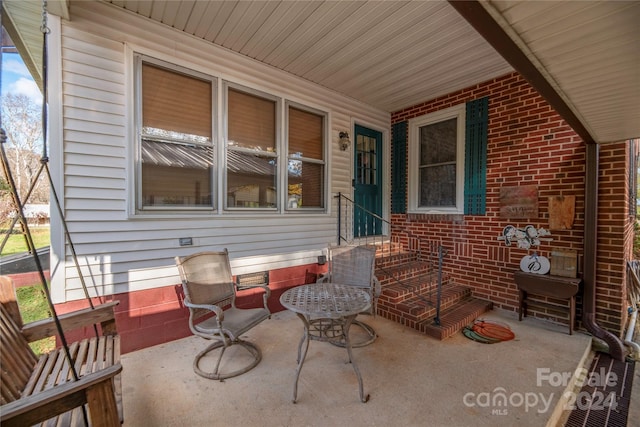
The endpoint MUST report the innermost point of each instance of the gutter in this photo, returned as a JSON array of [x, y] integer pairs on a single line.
[[616, 347], [628, 339]]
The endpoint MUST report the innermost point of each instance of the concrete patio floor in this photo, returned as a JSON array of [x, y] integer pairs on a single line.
[[413, 380]]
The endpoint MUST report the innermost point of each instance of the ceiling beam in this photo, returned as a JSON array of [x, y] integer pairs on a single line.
[[480, 19]]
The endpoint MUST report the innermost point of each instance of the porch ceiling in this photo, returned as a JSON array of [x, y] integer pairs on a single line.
[[393, 54]]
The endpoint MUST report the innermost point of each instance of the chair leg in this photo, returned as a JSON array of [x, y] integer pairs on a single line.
[[252, 349]]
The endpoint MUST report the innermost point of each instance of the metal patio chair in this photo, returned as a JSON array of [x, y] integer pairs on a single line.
[[210, 295], [355, 265]]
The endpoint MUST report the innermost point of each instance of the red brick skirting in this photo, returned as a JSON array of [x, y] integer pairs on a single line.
[[28, 279]]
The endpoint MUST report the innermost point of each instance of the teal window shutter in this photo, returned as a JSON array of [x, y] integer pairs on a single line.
[[475, 172], [399, 168]]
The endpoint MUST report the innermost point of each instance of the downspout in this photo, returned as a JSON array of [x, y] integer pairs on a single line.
[[616, 347], [628, 339]]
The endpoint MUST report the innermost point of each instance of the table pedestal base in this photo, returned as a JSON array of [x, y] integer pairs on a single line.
[[369, 336]]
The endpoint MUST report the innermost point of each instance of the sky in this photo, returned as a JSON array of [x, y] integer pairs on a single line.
[[16, 78]]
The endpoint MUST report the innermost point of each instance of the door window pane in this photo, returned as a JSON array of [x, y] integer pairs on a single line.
[[366, 162]]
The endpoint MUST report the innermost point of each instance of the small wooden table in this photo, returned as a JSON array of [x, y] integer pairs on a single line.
[[327, 311], [548, 286]]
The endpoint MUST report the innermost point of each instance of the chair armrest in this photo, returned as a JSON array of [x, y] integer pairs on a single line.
[[217, 310], [377, 287], [266, 295], [266, 289], [35, 408], [103, 314]]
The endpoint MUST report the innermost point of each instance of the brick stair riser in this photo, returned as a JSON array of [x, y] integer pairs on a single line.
[[398, 266], [398, 292], [387, 260], [409, 295], [408, 276], [416, 309], [389, 276], [410, 287], [453, 327], [427, 327]]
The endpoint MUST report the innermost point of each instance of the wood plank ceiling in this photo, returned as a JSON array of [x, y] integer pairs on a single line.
[[390, 54], [393, 54]]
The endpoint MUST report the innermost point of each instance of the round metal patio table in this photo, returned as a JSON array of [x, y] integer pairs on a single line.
[[327, 311]]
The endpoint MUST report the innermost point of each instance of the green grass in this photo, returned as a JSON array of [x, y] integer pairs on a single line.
[[17, 243], [33, 306], [31, 299]]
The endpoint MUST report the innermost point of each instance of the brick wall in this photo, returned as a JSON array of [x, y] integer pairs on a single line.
[[615, 235], [155, 316], [529, 144]]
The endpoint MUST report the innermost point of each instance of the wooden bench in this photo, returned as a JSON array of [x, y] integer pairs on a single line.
[[35, 389]]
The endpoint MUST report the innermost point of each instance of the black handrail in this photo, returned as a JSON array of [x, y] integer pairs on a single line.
[[346, 237]]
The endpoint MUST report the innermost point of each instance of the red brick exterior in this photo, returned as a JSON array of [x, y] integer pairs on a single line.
[[530, 144], [155, 316]]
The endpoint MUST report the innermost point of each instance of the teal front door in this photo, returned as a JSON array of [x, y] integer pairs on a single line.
[[367, 182]]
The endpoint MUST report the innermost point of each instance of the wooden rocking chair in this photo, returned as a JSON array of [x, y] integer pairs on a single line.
[[36, 389]]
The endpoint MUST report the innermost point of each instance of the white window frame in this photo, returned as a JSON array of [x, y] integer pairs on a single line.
[[279, 155], [138, 59], [455, 112], [323, 162], [219, 140]]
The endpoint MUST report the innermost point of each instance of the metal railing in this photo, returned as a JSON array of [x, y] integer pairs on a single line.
[[389, 239]]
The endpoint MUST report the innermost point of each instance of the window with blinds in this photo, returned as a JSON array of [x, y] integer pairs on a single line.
[[273, 157], [306, 165], [176, 144], [251, 150]]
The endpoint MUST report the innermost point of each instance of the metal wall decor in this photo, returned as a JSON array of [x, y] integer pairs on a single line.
[[525, 237]]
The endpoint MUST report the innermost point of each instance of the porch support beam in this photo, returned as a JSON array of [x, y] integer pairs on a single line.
[[479, 17]]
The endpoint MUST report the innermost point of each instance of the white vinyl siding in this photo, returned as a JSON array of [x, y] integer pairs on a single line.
[[93, 155]]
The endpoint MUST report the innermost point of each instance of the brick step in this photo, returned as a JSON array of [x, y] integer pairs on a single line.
[[399, 272], [418, 307], [398, 289], [388, 247], [455, 318], [394, 258]]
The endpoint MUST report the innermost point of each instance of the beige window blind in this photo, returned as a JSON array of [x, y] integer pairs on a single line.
[[306, 133], [175, 102], [252, 121], [305, 178]]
